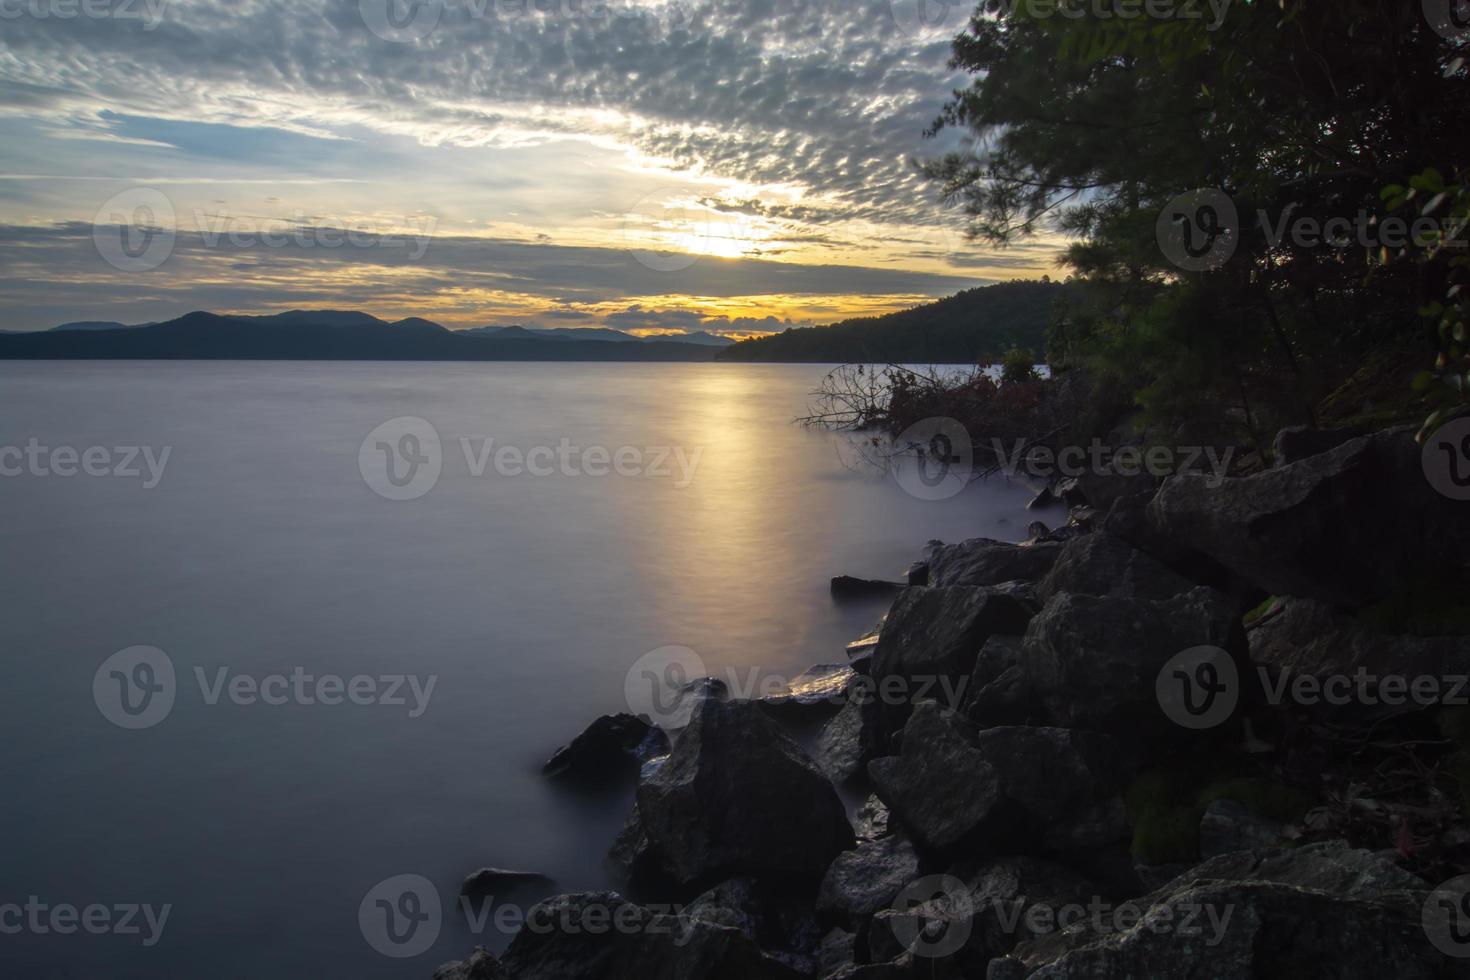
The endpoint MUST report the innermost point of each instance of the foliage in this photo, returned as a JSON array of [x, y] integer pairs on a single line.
[[1092, 126], [967, 328], [1018, 366]]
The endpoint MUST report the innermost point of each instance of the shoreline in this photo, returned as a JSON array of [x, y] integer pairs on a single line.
[[1069, 718]]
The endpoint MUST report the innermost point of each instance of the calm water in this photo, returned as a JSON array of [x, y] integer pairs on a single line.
[[263, 549]]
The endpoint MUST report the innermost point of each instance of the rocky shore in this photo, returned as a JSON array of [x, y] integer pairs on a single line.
[[1211, 728]]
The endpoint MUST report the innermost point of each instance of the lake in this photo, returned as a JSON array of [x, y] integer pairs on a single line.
[[379, 629]]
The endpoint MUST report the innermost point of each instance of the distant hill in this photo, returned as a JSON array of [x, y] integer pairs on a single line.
[[86, 325], [698, 337], [702, 337], [324, 335], [963, 329]]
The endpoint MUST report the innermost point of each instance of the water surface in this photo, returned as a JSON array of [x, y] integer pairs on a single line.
[[263, 549]]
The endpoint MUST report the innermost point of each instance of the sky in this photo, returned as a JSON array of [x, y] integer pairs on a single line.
[[739, 166]]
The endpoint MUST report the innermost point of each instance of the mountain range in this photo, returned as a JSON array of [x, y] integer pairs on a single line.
[[975, 325], [334, 335]]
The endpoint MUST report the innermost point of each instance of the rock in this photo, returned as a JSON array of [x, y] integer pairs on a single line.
[[1347, 527], [781, 923], [982, 561], [1320, 910], [1038, 531], [1349, 671], [1000, 897], [862, 881], [612, 743], [845, 587], [1044, 498], [1229, 826], [1094, 662], [1294, 444], [918, 573], [1101, 564], [930, 642], [820, 688], [1007, 700], [998, 692], [870, 821], [631, 858], [482, 965], [738, 796], [1099, 488], [853, 737], [1002, 790], [860, 651], [942, 787], [487, 881], [602, 935], [838, 950]]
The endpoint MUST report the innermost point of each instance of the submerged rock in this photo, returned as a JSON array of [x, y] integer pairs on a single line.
[[846, 587], [611, 745], [738, 796], [486, 881], [819, 688]]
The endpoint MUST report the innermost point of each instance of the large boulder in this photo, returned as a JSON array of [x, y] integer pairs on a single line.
[[984, 908], [602, 935], [1319, 911], [864, 880], [1331, 664], [930, 642], [983, 561], [738, 796], [1002, 790], [1102, 564], [1094, 662], [1348, 526]]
